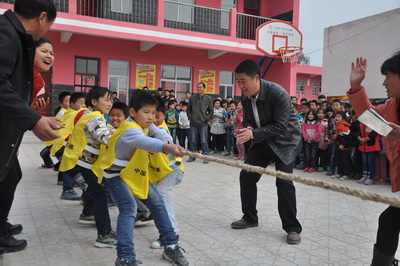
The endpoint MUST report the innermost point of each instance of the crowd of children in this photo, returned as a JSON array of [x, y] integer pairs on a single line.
[[336, 142], [131, 156]]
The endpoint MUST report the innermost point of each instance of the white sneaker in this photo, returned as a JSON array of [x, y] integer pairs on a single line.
[[337, 176], [344, 178]]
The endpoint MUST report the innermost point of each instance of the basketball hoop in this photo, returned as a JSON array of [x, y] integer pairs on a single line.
[[290, 55]]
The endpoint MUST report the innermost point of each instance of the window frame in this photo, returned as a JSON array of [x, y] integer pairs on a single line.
[[81, 87]]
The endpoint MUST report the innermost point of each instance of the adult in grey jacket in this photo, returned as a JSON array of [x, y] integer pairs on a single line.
[[200, 111], [272, 131], [31, 20]]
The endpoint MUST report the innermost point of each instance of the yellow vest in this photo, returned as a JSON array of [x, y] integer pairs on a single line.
[[159, 165], [77, 142], [135, 172], [68, 123]]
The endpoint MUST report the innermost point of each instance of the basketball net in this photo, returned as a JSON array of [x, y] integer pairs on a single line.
[[290, 55]]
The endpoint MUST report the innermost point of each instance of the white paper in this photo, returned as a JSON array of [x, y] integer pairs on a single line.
[[373, 120]]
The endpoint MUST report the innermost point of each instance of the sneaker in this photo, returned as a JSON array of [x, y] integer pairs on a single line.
[[243, 224], [70, 195], [175, 256], [127, 262], [344, 178], [379, 181], [320, 169], [330, 173], [310, 170], [87, 219], [42, 166], [157, 244], [306, 169], [191, 159], [300, 166], [369, 181], [337, 176], [144, 220], [106, 241], [361, 180], [293, 238], [13, 229]]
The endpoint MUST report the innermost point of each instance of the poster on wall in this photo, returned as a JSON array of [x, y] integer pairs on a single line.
[[208, 78], [145, 76]]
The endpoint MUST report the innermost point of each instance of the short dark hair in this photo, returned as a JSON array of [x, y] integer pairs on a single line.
[[336, 101], [171, 103], [314, 101], [249, 67], [63, 95], [159, 89], [202, 84], [314, 113], [29, 9], [183, 103], [328, 109], [391, 65], [188, 92], [307, 104], [303, 99], [41, 41], [229, 97], [96, 93], [76, 96], [121, 106], [321, 96], [141, 98], [342, 114], [114, 92], [161, 105], [216, 100]]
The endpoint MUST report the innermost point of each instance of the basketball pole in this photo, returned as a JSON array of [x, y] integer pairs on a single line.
[[261, 62]]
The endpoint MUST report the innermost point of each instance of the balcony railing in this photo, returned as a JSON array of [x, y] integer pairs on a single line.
[[247, 25], [136, 11], [196, 18], [61, 5], [176, 15]]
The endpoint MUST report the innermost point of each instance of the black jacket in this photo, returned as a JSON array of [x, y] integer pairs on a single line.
[[200, 110], [280, 128], [16, 84]]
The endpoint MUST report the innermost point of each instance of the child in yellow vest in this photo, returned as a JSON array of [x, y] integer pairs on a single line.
[[79, 155], [123, 168], [165, 172]]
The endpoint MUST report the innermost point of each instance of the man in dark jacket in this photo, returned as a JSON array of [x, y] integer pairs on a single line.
[[31, 20], [273, 134], [200, 111]]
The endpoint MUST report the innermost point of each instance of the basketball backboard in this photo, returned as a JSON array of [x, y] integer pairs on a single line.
[[276, 35]]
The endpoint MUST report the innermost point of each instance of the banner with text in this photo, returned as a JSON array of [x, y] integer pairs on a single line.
[[145, 76], [208, 78]]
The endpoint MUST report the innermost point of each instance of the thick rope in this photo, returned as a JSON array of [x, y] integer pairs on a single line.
[[363, 194]]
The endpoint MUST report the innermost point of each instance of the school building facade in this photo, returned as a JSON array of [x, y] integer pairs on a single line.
[[172, 44]]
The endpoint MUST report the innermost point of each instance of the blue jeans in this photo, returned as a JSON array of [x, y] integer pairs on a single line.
[[195, 131], [172, 131], [126, 203], [127, 206], [68, 182], [368, 162], [332, 162], [228, 139], [164, 187]]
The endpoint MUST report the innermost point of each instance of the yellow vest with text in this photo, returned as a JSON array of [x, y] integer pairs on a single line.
[[135, 172], [68, 123], [159, 165], [77, 142]]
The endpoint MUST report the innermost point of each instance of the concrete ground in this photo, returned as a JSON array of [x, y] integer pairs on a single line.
[[337, 229]]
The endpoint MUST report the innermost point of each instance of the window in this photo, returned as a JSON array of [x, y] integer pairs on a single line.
[[118, 78], [300, 86], [315, 88], [179, 10], [121, 6], [86, 74], [177, 78], [226, 84]]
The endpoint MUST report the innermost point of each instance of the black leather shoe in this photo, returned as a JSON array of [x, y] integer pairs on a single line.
[[13, 229], [243, 224], [11, 244], [2, 250]]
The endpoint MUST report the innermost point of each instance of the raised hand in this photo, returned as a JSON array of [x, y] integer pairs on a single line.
[[357, 73]]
